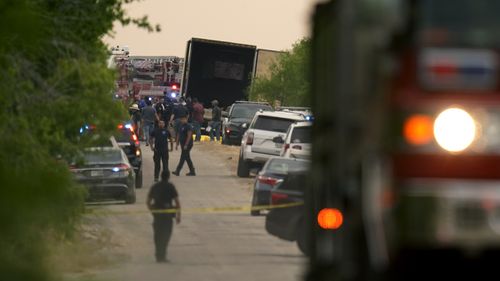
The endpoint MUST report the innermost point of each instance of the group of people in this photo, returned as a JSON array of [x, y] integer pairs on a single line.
[[161, 123], [167, 121]]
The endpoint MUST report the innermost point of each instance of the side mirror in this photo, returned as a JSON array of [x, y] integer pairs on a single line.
[[225, 114], [278, 139]]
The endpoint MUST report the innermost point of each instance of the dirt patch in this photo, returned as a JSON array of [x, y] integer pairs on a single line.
[[228, 153], [91, 247]]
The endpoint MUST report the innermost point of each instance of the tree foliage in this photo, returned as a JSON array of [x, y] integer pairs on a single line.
[[53, 79], [288, 84]]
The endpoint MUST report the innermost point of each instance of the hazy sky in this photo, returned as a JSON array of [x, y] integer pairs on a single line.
[[268, 24]]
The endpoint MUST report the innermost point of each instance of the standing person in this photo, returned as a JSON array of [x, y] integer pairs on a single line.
[[189, 107], [160, 138], [148, 120], [167, 112], [216, 121], [160, 108], [198, 113], [179, 111], [185, 139], [135, 117], [160, 197], [142, 103]]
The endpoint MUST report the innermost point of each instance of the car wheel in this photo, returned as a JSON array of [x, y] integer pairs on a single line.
[[138, 180], [243, 170], [254, 204], [302, 241], [131, 198]]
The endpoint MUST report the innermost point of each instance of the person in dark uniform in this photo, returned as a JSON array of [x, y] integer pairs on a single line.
[[159, 139], [178, 112], [160, 197], [185, 139]]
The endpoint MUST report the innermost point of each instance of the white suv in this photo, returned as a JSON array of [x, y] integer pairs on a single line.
[[297, 142], [258, 143]]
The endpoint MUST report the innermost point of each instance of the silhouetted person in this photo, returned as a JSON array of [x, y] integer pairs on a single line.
[[159, 201]]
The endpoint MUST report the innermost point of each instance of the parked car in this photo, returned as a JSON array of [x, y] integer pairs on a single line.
[[128, 141], [239, 117], [272, 174], [106, 173], [288, 223], [257, 144], [297, 141]]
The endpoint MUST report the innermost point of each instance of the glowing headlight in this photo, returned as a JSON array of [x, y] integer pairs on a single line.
[[454, 129], [244, 125]]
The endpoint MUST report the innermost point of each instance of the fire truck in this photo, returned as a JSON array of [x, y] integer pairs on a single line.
[[405, 177]]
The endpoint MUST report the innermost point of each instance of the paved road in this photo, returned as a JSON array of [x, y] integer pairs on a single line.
[[204, 246]]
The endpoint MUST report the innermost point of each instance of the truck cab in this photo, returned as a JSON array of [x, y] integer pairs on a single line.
[[407, 157]]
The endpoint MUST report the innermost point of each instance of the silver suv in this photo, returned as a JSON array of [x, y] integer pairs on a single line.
[[258, 143]]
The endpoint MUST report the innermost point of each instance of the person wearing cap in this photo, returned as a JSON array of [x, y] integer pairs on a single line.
[[135, 116], [216, 121]]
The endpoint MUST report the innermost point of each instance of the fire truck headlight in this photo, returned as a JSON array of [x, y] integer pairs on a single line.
[[454, 129]]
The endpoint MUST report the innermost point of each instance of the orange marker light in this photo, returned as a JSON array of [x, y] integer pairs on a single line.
[[418, 130], [330, 218]]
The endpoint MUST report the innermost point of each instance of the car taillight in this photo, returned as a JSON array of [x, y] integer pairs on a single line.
[[268, 180], [121, 167], [250, 138], [134, 137], [287, 146], [298, 147], [228, 131], [277, 198]]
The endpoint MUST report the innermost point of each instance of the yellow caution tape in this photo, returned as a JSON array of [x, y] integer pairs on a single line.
[[208, 210]]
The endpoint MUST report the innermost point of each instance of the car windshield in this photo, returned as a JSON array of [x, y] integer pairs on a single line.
[[102, 156], [466, 23], [285, 166], [247, 111], [274, 124], [301, 135]]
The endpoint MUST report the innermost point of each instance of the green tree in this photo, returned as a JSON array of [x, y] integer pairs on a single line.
[[54, 79], [288, 84]]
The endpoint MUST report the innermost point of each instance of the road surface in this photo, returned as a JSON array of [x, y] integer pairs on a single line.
[[211, 246]]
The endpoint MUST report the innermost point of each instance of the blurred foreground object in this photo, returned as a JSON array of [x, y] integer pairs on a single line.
[[405, 140]]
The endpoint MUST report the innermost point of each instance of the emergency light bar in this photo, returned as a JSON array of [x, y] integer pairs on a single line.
[[458, 69]]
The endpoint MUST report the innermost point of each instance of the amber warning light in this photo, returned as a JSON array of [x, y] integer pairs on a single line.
[[330, 218]]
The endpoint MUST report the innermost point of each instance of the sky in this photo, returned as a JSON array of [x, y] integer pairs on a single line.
[[268, 24]]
